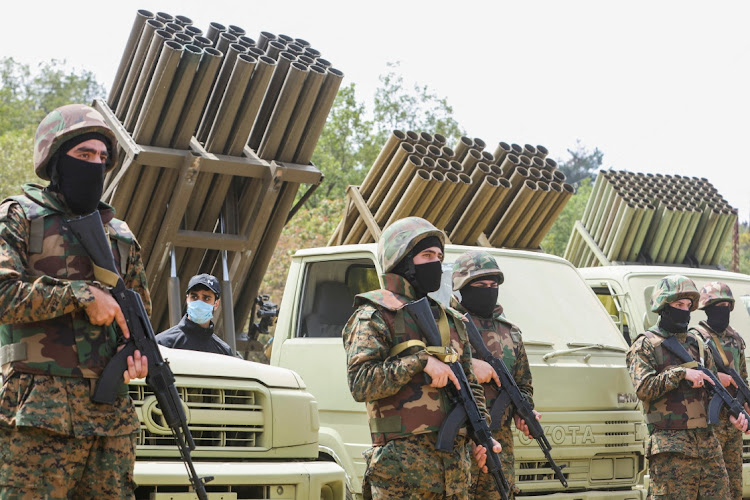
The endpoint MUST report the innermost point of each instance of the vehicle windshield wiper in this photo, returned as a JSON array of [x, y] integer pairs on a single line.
[[575, 348]]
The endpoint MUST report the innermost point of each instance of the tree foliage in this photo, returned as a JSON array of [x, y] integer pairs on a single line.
[[557, 238], [581, 164], [26, 97], [417, 108], [350, 141]]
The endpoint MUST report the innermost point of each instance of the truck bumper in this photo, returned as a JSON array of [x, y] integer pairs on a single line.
[[243, 480]]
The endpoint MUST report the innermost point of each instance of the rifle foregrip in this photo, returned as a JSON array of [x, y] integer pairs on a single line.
[[111, 378]]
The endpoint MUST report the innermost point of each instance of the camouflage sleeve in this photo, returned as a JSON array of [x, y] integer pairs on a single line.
[[650, 384], [372, 373], [135, 277], [21, 299], [522, 374], [476, 387]]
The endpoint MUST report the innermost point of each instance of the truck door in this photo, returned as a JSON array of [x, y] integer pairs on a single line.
[[613, 301]]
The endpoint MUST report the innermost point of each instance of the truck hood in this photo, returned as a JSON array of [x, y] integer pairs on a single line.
[[208, 365]]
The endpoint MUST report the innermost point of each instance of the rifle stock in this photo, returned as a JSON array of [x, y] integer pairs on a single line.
[[511, 394], [89, 231], [466, 409]]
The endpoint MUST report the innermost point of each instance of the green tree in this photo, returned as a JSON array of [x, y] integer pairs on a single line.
[[557, 238], [582, 163], [343, 146], [418, 108], [26, 97], [350, 142]]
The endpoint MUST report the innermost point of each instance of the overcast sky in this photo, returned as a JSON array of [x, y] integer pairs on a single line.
[[658, 86]]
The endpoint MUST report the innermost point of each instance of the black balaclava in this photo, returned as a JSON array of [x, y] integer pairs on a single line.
[[717, 317], [80, 182], [480, 300], [674, 320], [425, 278]]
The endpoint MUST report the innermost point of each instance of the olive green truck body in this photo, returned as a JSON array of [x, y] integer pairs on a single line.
[[581, 385], [255, 427], [625, 291]]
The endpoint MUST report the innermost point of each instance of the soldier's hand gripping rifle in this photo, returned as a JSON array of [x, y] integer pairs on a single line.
[[720, 395], [511, 394], [90, 233], [743, 392], [466, 410]]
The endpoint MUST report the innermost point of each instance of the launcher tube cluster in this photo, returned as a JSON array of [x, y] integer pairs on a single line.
[[511, 196]]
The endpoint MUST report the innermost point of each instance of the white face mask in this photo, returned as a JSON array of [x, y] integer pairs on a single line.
[[200, 312]]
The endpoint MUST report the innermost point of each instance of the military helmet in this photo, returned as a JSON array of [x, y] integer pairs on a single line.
[[716, 292], [475, 264], [399, 238], [671, 288], [63, 124]]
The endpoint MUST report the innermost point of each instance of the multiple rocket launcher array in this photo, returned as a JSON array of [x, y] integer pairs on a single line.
[[247, 106], [511, 196], [651, 218]]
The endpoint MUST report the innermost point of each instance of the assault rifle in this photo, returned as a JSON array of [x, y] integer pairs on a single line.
[[511, 394], [720, 395], [465, 409], [743, 392], [90, 233]]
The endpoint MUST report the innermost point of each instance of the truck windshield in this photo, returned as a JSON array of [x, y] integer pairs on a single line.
[[552, 298]]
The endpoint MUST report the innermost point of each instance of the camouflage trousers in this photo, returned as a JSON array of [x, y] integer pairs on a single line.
[[482, 485], [411, 468], [37, 464], [675, 476], [731, 446]]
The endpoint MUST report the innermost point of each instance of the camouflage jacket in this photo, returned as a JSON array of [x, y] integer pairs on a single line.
[[504, 341], [399, 402], [660, 383], [43, 290], [42, 297]]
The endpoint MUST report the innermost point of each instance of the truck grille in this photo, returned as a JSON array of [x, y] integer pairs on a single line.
[[230, 418]]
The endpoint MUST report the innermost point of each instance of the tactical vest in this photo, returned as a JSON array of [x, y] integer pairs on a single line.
[[731, 347], [683, 407], [67, 345], [417, 408]]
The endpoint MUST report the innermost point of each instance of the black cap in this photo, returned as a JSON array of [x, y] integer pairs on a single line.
[[206, 280]]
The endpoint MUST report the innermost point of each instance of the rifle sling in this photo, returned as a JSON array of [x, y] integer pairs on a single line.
[[717, 348], [106, 276], [673, 345], [443, 352]]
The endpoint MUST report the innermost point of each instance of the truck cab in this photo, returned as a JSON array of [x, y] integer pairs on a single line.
[[625, 291], [581, 385]]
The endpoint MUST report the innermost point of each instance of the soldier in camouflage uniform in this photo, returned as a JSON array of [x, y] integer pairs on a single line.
[[57, 330], [685, 459], [717, 302], [476, 276], [387, 363]]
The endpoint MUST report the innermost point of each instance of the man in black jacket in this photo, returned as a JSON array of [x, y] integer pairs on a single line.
[[195, 331]]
